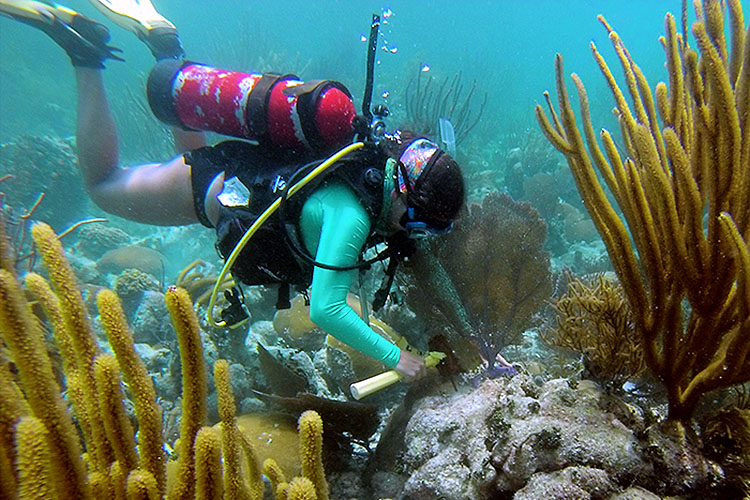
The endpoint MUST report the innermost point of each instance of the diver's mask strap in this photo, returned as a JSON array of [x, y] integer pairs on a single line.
[[383, 222]]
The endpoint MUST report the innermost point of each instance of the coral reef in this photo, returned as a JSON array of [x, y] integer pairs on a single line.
[[521, 438], [486, 279], [131, 283], [94, 240], [594, 319], [144, 259], [686, 151], [726, 439], [43, 165]]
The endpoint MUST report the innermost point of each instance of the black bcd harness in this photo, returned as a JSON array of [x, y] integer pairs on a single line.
[[274, 254]]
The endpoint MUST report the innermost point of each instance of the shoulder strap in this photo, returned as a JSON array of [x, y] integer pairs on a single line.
[[208, 162]]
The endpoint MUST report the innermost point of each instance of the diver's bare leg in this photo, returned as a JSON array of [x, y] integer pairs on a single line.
[[96, 136], [185, 140]]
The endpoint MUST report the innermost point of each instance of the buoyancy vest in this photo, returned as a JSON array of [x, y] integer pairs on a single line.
[[268, 256]]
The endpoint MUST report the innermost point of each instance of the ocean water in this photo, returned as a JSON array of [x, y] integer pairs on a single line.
[[507, 47]]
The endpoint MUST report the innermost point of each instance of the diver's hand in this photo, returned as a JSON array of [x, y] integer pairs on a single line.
[[410, 366]]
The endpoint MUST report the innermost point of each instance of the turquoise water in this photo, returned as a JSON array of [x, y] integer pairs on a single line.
[[508, 47]]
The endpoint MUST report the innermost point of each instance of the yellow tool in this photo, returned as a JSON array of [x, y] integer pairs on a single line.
[[368, 386]]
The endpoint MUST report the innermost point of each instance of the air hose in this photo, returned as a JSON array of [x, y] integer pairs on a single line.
[[263, 217]]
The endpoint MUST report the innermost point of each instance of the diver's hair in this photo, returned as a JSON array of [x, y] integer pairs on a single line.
[[442, 191]]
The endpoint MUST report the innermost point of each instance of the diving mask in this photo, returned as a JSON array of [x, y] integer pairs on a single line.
[[417, 229]]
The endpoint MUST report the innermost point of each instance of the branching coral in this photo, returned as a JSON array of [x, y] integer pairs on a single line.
[[40, 451], [25, 341], [486, 279], [427, 100], [594, 319], [200, 286], [687, 281]]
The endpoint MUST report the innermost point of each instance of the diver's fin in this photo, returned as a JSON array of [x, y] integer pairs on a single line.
[[83, 39], [35, 11], [140, 17]]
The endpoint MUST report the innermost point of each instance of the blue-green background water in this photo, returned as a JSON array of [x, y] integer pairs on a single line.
[[508, 47]]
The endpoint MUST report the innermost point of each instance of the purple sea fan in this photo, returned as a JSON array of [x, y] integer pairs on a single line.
[[485, 280]]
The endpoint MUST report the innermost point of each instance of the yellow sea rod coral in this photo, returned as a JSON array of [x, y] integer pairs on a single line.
[[274, 473], [41, 290], [680, 247], [118, 480], [33, 393], [301, 488], [150, 440], [79, 327], [311, 452], [116, 423], [23, 337], [6, 255], [33, 460], [208, 476], [12, 407], [193, 387], [234, 486], [142, 486]]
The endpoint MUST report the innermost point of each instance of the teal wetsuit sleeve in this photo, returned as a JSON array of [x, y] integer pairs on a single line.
[[334, 228]]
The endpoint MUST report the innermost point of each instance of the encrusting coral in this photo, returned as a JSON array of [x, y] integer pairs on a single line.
[[687, 281], [40, 447]]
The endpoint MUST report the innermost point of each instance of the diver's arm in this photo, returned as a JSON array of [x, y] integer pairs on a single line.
[[335, 214], [157, 193]]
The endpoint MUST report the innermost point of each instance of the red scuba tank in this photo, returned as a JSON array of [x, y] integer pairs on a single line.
[[277, 111]]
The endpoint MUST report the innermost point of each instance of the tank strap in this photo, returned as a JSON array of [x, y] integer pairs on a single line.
[[307, 95], [256, 110]]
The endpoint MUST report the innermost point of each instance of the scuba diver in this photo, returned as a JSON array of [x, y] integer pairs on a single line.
[[385, 188]]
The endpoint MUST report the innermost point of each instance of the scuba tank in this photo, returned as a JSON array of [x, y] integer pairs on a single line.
[[276, 111]]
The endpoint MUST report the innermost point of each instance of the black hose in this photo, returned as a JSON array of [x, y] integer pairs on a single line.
[[371, 51]]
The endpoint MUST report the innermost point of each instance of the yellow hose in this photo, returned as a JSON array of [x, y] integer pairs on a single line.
[[263, 217]]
